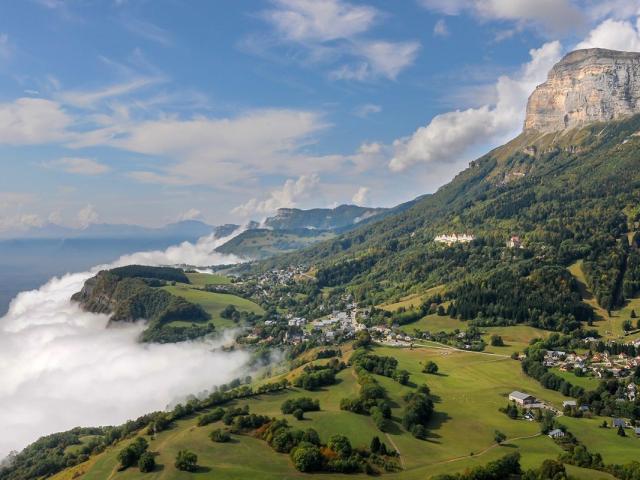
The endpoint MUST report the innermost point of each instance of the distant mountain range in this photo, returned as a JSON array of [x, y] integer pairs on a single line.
[[184, 229]]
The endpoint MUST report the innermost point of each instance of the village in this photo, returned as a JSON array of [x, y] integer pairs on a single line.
[[599, 365]]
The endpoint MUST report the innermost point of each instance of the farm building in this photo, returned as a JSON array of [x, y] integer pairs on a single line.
[[522, 398], [557, 433]]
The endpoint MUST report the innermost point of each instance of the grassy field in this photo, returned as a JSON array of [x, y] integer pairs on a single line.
[[203, 279], [469, 390], [213, 303], [609, 326], [516, 338], [435, 323], [412, 301]]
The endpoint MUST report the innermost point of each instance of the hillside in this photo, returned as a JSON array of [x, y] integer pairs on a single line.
[[468, 392], [176, 305], [321, 218], [567, 197]]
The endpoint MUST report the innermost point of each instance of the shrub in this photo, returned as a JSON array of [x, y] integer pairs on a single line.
[[341, 445], [307, 457], [210, 417], [431, 367], [219, 435], [147, 462], [298, 414], [186, 461]]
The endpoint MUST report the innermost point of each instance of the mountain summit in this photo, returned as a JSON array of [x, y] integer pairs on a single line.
[[586, 86]]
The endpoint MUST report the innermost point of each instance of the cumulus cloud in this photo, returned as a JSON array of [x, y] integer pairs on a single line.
[[332, 31], [361, 196], [62, 367], [614, 35], [216, 151], [451, 134], [79, 165], [552, 15], [87, 215], [292, 192], [30, 121]]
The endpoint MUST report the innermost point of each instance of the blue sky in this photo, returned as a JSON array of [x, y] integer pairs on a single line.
[[139, 111]]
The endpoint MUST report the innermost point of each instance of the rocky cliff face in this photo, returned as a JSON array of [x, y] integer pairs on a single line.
[[586, 86]]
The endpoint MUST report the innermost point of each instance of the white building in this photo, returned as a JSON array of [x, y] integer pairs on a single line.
[[452, 238]]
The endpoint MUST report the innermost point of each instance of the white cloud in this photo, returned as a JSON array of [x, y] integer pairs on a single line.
[[79, 166], [450, 135], [289, 195], [63, 367], [210, 151], [87, 215], [380, 59], [553, 15], [440, 29], [361, 197], [311, 20], [363, 111], [89, 98], [614, 35], [191, 214], [332, 31], [29, 121]]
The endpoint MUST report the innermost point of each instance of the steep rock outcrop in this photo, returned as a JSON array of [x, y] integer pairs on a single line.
[[586, 86]]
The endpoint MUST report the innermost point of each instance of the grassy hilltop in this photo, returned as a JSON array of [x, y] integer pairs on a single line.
[[469, 390]]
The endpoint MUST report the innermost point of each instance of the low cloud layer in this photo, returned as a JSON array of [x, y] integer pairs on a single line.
[[61, 367]]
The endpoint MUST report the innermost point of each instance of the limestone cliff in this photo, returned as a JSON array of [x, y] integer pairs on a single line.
[[586, 86]]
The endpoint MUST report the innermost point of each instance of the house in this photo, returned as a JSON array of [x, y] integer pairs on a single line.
[[514, 242], [632, 391], [618, 422], [637, 431], [569, 403], [522, 398], [556, 433]]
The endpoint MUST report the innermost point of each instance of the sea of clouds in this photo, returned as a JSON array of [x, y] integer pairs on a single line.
[[61, 367]]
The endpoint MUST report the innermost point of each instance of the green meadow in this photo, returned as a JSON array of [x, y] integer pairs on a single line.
[[468, 391], [212, 302]]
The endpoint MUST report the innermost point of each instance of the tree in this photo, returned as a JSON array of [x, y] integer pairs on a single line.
[[633, 314], [220, 436], [431, 367], [496, 341], [340, 444], [186, 461], [499, 437], [441, 311], [311, 436], [621, 431], [552, 470], [298, 414], [307, 457], [375, 444], [130, 455], [363, 339], [147, 462], [228, 311], [627, 325]]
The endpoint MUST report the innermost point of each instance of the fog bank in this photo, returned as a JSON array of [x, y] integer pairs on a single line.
[[60, 367]]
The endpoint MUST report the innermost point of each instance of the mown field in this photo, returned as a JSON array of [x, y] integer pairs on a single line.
[[608, 324], [212, 302], [468, 391]]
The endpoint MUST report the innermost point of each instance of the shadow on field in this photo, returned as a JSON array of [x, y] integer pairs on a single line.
[[202, 469], [437, 420]]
